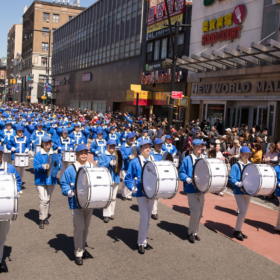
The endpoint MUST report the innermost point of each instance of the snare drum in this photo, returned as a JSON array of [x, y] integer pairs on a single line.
[[8, 197], [37, 148], [94, 188], [21, 160], [176, 161], [6, 151], [261, 179], [68, 156], [160, 179], [210, 175]]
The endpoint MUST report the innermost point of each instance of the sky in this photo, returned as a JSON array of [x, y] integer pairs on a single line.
[[11, 13]]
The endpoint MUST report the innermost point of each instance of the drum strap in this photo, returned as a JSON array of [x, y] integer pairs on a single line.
[[39, 135], [5, 167], [20, 143], [142, 160], [11, 132], [77, 165], [65, 143], [193, 157]]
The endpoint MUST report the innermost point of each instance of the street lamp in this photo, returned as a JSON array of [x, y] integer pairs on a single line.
[[174, 45]]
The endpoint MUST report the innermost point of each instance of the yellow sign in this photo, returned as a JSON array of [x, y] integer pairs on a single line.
[[43, 97], [12, 81], [135, 87], [215, 24], [160, 25]]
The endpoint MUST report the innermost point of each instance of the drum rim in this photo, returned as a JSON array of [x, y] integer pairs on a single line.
[[142, 173], [16, 200], [76, 193], [177, 181], [226, 172], [261, 179], [210, 176]]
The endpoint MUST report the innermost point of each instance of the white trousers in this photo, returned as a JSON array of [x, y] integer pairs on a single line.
[[110, 210], [64, 166], [20, 171], [7, 158], [196, 204], [125, 191], [278, 219], [45, 193], [4, 229], [145, 211], [81, 222], [154, 212], [243, 201]]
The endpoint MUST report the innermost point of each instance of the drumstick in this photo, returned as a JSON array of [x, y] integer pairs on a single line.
[[71, 185], [246, 174]]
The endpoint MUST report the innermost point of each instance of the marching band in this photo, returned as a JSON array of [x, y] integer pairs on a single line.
[[147, 169]]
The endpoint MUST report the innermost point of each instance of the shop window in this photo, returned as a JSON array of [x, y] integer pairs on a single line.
[[164, 48], [215, 112], [85, 105], [149, 52], [157, 50]]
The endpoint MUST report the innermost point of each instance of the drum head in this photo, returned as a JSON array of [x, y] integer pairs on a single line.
[[149, 179], [82, 188], [251, 183], [201, 175]]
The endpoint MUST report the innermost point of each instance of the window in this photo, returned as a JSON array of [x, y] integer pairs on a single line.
[[53, 29], [43, 61], [180, 50], [46, 17], [42, 79], [149, 52], [157, 50], [56, 18], [70, 17], [46, 29], [99, 106], [164, 48], [45, 46]]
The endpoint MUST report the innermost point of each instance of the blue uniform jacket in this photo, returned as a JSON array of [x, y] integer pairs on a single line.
[[98, 147], [104, 161], [61, 143], [277, 170], [40, 174], [126, 151], [7, 135], [79, 137], [186, 171], [114, 137], [170, 148], [20, 143], [235, 176], [11, 169], [157, 155], [35, 138]]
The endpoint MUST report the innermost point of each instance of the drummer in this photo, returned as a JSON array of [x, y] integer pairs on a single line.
[[6, 135], [108, 160], [5, 225], [113, 136], [144, 137], [45, 185], [98, 146], [19, 144], [195, 198], [64, 143], [277, 193], [242, 199], [79, 137], [36, 136], [145, 204], [81, 218], [127, 154], [124, 133], [157, 153], [167, 146]]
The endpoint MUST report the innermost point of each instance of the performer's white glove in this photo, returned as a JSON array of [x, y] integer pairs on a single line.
[[82, 142], [59, 148], [112, 162], [279, 185], [44, 166], [239, 184], [2, 140], [189, 180], [26, 150], [13, 149], [33, 141], [70, 194], [96, 152], [131, 156], [134, 190], [71, 149]]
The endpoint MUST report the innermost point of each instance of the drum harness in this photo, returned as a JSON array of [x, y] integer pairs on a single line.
[[20, 143], [78, 135], [63, 142], [8, 134], [39, 135]]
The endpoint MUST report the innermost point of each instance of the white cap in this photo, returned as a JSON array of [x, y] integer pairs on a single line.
[[217, 142], [228, 129]]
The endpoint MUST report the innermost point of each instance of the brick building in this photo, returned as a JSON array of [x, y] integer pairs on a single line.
[[45, 16]]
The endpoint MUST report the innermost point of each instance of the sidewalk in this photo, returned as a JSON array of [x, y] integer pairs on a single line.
[[220, 215]]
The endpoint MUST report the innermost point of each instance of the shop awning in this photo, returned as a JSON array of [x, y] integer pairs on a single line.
[[256, 55]]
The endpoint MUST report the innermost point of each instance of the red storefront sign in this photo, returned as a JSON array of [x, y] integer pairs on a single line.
[[177, 94]]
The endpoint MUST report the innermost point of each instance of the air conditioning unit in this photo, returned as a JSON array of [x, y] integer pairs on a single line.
[[47, 20]]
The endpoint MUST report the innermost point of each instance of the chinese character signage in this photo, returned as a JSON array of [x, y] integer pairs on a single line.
[[218, 25]]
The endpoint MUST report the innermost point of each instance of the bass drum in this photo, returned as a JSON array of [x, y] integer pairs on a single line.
[[210, 175], [69, 156], [93, 188], [160, 179], [8, 197], [261, 179]]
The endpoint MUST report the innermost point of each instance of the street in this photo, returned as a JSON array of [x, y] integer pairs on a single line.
[[31, 253]]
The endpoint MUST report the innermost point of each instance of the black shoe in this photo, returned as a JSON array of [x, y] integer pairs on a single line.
[[244, 236], [112, 218], [79, 260], [3, 268], [191, 238], [141, 249], [41, 224], [130, 199], [46, 222], [197, 238], [148, 247], [238, 235], [124, 198], [86, 255], [155, 216], [106, 220]]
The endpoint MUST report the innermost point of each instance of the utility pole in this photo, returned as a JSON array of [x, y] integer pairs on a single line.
[[174, 43]]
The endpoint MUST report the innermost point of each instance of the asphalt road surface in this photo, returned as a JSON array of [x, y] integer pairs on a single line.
[[31, 253]]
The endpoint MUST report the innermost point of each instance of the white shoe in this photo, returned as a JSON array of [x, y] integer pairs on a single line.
[[221, 194]]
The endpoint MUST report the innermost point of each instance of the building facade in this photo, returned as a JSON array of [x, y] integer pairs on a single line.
[[36, 46], [234, 71], [98, 55]]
